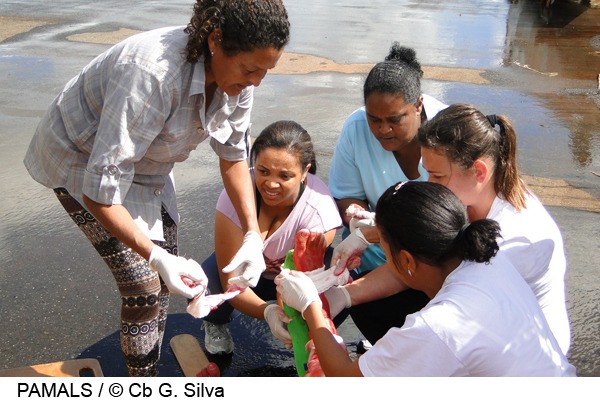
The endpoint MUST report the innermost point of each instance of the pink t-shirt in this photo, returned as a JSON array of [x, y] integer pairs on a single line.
[[315, 210]]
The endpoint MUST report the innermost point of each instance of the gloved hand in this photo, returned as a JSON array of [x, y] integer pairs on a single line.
[[250, 258], [326, 278], [338, 299], [173, 269], [359, 223], [296, 289], [360, 217], [278, 320], [347, 253]]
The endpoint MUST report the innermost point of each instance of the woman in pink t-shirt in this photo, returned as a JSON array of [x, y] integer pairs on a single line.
[[289, 197]]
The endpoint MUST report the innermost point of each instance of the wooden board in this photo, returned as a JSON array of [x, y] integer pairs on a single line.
[[81, 367], [189, 354]]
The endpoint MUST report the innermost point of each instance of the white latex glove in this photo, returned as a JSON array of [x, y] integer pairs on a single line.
[[296, 289], [173, 269], [250, 258], [360, 217], [338, 299], [346, 255], [359, 223], [202, 305], [278, 320], [326, 278]]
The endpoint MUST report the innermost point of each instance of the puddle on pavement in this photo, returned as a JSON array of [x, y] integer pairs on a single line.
[[580, 110], [24, 68], [561, 46]]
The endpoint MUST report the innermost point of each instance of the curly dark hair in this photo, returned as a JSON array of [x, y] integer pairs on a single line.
[[245, 25]]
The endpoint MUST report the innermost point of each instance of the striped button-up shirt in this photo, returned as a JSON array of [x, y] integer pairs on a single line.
[[116, 130]]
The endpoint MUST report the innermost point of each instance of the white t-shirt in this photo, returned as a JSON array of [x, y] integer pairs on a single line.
[[533, 243], [484, 321]]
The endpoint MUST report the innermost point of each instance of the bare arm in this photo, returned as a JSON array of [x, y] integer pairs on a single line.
[[238, 184], [334, 360], [330, 236], [228, 239], [381, 282], [119, 222]]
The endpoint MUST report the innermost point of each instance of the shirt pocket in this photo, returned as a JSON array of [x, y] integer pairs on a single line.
[[81, 137], [172, 147]]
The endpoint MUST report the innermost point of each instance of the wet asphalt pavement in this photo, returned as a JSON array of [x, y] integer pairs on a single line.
[[58, 300]]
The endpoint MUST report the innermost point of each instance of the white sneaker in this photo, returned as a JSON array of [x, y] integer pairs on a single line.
[[217, 339], [363, 346]]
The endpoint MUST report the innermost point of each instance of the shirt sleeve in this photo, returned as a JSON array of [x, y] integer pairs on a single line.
[[225, 206], [344, 174], [134, 112], [327, 215], [432, 106], [237, 146]]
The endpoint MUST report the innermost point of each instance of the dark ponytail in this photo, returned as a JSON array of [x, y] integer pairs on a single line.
[[477, 241], [429, 221]]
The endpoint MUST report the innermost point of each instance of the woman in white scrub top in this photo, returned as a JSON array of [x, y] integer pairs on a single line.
[[482, 320], [474, 155]]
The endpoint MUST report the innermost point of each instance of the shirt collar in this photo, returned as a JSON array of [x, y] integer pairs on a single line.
[[198, 78]]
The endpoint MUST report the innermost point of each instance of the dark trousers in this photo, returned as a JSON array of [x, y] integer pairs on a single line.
[[375, 318]]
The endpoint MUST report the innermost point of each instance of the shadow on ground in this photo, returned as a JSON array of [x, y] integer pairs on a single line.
[[256, 353]]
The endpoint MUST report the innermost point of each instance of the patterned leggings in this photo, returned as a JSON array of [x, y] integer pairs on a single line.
[[145, 298]]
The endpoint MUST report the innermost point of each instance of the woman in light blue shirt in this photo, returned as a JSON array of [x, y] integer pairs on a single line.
[[378, 146]]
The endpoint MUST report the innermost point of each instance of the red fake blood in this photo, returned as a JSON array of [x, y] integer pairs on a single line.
[[309, 250], [188, 282], [211, 370]]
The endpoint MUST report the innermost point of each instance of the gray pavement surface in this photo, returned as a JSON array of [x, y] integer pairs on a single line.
[[540, 67]]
